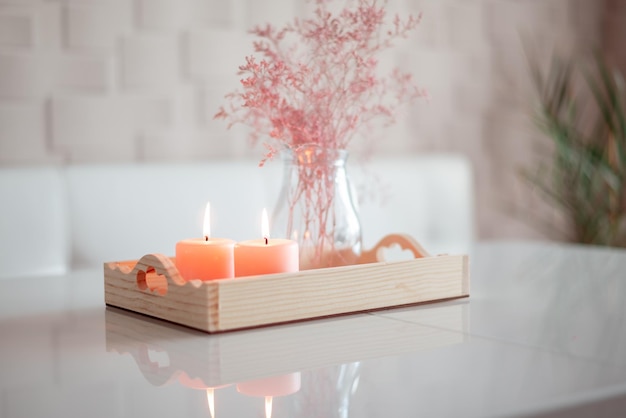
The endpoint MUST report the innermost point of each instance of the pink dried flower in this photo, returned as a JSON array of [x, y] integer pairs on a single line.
[[315, 81], [311, 87]]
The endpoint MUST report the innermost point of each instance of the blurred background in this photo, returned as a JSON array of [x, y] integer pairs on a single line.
[[118, 81]]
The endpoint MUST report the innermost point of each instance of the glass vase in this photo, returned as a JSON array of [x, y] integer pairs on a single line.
[[316, 208]]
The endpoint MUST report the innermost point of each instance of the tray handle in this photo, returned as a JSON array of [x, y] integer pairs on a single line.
[[406, 242], [165, 269]]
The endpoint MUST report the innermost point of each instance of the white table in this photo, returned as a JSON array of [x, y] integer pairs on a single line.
[[542, 334]]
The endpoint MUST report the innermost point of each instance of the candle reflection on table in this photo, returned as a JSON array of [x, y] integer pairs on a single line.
[[271, 387], [268, 406], [198, 384], [210, 397]]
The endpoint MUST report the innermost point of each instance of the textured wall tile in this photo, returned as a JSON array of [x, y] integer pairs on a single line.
[[586, 17], [186, 101], [216, 13], [30, 25], [49, 27], [466, 23], [278, 12], [465, 132], [434, 71], [509, 23], [427, 128], [17, 27], [150, 112], [150, 62], [164, 15], [615, 39], [90, 121], [432, 32], [22, 136], [97, 24], [182, 145], [509, 143], [472, 81], [511, 84], [84, 73], [211, 98], [23, 76], [432, 67], [215, 52], [394, 139], [615, 32]]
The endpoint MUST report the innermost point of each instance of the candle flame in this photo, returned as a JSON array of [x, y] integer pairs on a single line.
[[210, 397], [206, 231], [265, 225], [268, 407]]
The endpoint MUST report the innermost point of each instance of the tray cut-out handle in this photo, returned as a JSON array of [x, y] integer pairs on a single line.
[[406, 242], [153, 271]]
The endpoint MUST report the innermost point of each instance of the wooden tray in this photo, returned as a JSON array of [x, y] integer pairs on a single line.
[[152, 286]]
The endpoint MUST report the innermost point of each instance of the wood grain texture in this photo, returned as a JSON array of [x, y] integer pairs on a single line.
[[154, 287]]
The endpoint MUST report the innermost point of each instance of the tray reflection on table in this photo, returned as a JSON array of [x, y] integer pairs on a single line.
[[222, 359]]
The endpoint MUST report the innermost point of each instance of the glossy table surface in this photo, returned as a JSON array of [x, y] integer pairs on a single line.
[[542, 334]]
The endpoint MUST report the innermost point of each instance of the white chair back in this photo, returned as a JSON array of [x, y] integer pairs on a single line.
[[33, 222], [430, 197], [127, 211], [100, 213]]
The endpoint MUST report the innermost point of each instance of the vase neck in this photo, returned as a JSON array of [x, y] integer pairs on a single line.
[[310, 156]]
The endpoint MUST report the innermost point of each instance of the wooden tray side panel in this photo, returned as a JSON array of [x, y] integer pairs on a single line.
[[187, 305], [308, 294]]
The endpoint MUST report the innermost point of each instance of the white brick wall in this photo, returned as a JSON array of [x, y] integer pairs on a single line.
[[98, 24], [17, 26], [22, 132], [83, 73], [149, 63], [163, 15], [259, 12], [22, 76], [140, 80], [215, 52]]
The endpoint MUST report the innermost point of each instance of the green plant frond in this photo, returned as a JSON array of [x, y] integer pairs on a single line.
[[620, 115], [556, 88], [548, 191], [613, 95], [613, 180], [609, 95], [563, 88], [535, 73], [585, 177], [602, 100]]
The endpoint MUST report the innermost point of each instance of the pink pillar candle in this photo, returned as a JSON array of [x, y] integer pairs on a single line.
[[266, 256], [205, 259], [259, 256]]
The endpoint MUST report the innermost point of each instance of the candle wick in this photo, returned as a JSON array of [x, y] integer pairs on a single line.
[[206, 237], [265, 240]]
